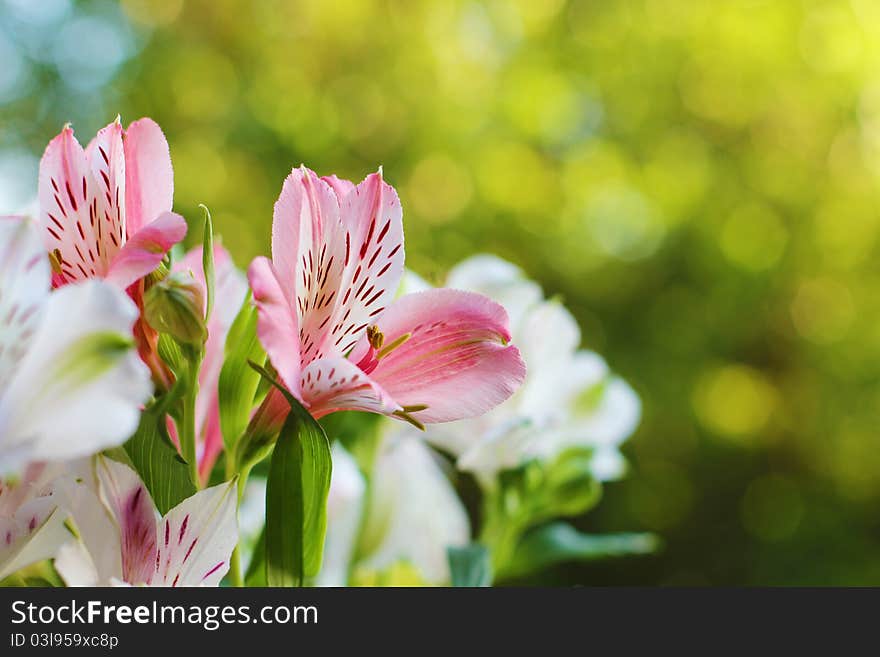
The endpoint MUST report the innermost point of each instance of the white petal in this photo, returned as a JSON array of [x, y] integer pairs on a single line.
[[608, 464], [505, 447], [615, 418], [413, 511], [97, 556], [24, 287], [196, 538], [80, 387], [31, 544], [31, 526], [126, 498], [75, 565], [345, 504], [547, 339]]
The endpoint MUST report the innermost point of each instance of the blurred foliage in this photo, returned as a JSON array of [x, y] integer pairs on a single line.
[[696, 180]]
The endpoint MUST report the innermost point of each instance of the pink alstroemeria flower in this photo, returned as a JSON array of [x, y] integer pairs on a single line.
[[106, 211], [230, 288], [333, 331]]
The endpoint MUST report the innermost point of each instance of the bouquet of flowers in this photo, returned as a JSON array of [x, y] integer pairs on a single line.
[[168, 420]]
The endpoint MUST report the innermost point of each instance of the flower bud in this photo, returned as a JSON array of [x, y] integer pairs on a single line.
[[176, 305]]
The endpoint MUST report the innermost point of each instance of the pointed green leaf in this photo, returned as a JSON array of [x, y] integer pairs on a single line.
[[470, 565], [238, 381], [165, 474], [559, 542], [256, 572], [296, 500]]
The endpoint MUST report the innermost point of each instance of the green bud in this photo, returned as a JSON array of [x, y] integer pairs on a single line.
[[175, 305]]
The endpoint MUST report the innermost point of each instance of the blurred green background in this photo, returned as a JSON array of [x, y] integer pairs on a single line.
[[698, 181]]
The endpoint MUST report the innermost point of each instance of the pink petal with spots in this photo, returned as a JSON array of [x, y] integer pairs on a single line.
[[149, 179], [143, 252], [277, 326], [336, 384], [373, 259], [308, 245], [456, 360], [129, 503], [79, 195], [196, 539], [106, 158], [340, 186]]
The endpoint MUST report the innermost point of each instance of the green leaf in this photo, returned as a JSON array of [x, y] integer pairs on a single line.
[[238, 381], [470, 565], [559, 542], [256, 572], [296, 499], [568, 487], [208, 260], [165, 474]]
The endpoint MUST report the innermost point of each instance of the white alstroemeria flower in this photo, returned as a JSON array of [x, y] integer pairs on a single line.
[[413, 512], [71, 383], [124, 541], [31, 525], [345, 508], [569, 397]]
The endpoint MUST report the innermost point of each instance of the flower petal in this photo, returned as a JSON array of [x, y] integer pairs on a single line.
[[130, 504], [106, 157], [548, 338], [456, 360], [31, 526], [373, 259], [277, 326], [75, 565], [406, 482], [22, 544], [96, 558], [336, 384], [340, 186], [24, 289], [81, 214], [149, 178], [197, 537], [308, 251], [80, 387], [143, 252]]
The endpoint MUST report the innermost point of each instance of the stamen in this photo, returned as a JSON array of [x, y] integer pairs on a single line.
[[55, 260], [376, 351], [369, 362], [394, 345], [375, 337], [406, 417]]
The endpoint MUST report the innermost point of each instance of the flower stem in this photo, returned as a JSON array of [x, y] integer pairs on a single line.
[[188, 432]]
